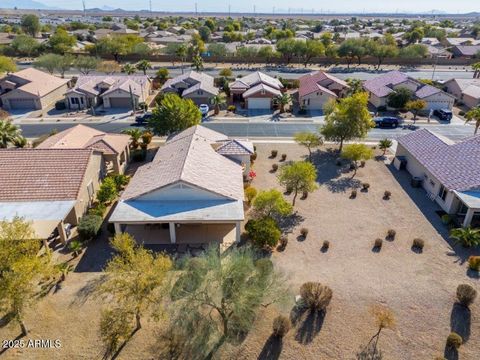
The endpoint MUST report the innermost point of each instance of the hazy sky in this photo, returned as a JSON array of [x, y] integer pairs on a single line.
[[452, 6]]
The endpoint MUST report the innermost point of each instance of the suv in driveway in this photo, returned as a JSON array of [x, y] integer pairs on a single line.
[[386, 121], [443, 114]]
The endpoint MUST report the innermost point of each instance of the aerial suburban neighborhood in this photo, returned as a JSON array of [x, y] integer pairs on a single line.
[[244, 181]]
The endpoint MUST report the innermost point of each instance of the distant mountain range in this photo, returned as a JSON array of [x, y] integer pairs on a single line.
[[25, 4]]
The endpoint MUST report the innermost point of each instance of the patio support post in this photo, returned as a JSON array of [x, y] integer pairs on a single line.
[[237, 231], [468, 218], [62, 233], [173, 238], [118, 228]]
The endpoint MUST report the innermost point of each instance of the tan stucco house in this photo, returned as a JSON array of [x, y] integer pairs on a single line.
[[31, 89], [257, 90], [199, 87]]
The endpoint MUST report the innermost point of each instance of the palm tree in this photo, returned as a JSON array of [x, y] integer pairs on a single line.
[[197, 62], [129, 69], [283, 100], [144, 65], [135, 135], [217, 101], [474, 115], [476, 68], [384, 144], [181, 52], [468, 236], [8, 133], [20, 141]]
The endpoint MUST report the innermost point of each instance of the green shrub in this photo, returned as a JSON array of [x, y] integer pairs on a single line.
[[365, 186], [75, 247], [231, 108], [274, 153], [121, 181], [304, 232], [98, 209], [326, 245], [283, 243], [89, 226], [418, 244], [362, 163], [250, 193], [315, 295], [391, 234], [108, 191], [454, 340], [138, 155], [466, 294], [387, 194], [474, 263], [378, 243], [274, 167], [353, 194], [284, 157], [264, 233], [281, 325]]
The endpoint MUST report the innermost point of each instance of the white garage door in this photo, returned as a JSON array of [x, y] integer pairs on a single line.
[[259, 103], [436, 105], [22, 104], [120, 102]]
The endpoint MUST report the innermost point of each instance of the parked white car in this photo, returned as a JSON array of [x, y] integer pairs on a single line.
[[204, 109]]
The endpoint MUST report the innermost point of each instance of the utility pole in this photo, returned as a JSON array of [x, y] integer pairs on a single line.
[[196, 10], [229, 10], [84, 9], [254, 10], [273, 11], [150, 7]]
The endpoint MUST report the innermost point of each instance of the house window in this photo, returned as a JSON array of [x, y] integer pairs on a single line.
[[442, 192], [262, 92], [91, 191], [81, 101], [200, 92], [74, 101]]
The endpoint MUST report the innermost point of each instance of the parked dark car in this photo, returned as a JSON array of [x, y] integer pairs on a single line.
[[443, 114], [386, 122], [143, 118]]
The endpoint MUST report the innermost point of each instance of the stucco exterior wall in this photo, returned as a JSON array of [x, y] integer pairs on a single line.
[[315, 101]]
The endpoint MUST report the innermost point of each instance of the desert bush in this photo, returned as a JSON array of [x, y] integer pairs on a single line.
[[121, 181], [75, 247], [378, 243], [250, 193], [362, 163], [281, 325], [315, 295], [253, 157], [304, 232], [474, 263], [418, 243], [304, 194], [264, 233], [454, 340], [326, 245], [284, 157], [274, 153], [353, 194], [89, 226], [108, 191], [466, 294], [387, 194], [283, 243], [391, 234], [231, 108], [274, 167], [365, 186], [98, 209], [289, 189]]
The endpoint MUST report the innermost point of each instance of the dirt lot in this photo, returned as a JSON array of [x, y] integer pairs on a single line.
[[420, 288]]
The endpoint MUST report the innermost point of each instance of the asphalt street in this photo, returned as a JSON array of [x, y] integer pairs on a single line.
[[255, 130]]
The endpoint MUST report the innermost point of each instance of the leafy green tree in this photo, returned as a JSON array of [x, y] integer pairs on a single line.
[[272, 204], [326, 39], [216, 298], [108, 191], [310, 49], [415, 51], [264, 232], [399, 98], [129, 69], [85, 64], [117, 46], [20, 141], [309, 140], [357, 152], [415, 106], [48, 62], [116, 329], [468, 236], [248, 54], [355, 85], [267, 53], [473, 116], [205, 33], [384, 144], [109, 67], [162, 74], [381, 51], [135, 135], [414, 36], [217, 50], [182, 52], [210, 23], [226, 72], [144, 65], [287, 48], [476, 69], [22, 269], [351, 49], [24, 45], [8, 133], [30, 24], [197, 62], [299, 176], [174, 114], [61, 42], [347, 120], [7, 65]]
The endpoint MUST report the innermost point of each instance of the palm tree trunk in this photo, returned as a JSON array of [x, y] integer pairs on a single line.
[[294, 196], [137, 319], [23, 327]]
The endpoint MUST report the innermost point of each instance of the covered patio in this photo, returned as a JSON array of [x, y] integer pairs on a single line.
[[469, 209]]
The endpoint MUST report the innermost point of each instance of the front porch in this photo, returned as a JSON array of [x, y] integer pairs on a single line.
[[468, 212]]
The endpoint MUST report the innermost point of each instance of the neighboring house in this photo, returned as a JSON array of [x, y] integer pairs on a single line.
[[113, 91], [114, 147], [449, 172], [317, 88], [192, 85], [48, 187], [381, 87], [438, 52], [257, 90], [31, 89], [466, 91], [191, 192], [466, 51]]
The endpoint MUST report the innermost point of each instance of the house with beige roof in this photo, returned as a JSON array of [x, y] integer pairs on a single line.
[[191, 192], [114, 147], [199, 87], [111, 91], [31, 89], [257, 90], [48, 187], [466, 91]]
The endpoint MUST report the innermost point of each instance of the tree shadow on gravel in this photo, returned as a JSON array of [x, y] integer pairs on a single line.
[[272, 348], [461, 320], [307, 322]]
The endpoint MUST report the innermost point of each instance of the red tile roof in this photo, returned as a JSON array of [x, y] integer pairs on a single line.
[[42, 174]]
